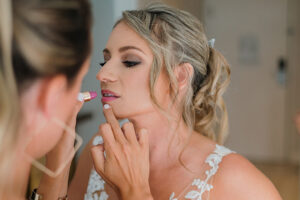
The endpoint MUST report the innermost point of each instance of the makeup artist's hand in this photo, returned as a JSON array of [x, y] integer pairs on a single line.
[[53, 188], [126, 165], [65, 147]]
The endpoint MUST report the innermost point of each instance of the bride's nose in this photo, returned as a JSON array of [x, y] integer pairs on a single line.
[[106, 74]]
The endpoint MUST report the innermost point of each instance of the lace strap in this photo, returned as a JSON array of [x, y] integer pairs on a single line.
[[95, 189], [213, 160], [96, 185]]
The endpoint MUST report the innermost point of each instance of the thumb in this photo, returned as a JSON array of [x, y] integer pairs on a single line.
[[72, 120], [97, 153], [78, 106]]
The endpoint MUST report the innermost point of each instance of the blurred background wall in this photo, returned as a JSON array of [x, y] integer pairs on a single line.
[[261, 40], [254, 37], [253, 41], [293, 91]]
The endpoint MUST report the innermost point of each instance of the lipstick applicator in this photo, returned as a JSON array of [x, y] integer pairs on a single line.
[[87, 96]]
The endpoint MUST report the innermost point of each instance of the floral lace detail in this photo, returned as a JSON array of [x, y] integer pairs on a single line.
[[96, 185], [213, 160], [95, 189]]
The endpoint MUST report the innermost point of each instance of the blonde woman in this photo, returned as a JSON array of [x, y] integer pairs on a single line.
[[44, 55], [161, 73]]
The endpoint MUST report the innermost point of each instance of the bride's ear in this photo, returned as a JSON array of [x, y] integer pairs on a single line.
[[184, 73]]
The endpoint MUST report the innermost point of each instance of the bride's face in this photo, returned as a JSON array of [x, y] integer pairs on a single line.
[[126, 73]]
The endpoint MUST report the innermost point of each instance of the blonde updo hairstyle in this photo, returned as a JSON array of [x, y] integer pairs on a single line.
[[177, 37], [38, 39]]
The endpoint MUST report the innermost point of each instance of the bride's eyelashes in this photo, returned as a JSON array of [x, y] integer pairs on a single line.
[[102, 64], [131, 63], [127, 63]]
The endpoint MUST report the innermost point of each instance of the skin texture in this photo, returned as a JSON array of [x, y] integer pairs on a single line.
[[45, 99], [166, 140]]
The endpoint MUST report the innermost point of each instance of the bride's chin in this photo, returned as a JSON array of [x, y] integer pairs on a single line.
[[127, 115], [120, 116], [132, 113]]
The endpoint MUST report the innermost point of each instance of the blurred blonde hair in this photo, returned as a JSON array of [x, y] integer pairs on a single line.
[[37, 39], [177, 37], [9, 104]]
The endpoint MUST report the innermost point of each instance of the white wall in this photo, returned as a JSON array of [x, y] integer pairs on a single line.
[[255, 99], [121, 5], [293, 93]]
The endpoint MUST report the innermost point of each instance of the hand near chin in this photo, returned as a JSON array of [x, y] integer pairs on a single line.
[[126, 164]]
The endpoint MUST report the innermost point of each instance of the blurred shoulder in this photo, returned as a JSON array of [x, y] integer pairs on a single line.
[[237, 178]]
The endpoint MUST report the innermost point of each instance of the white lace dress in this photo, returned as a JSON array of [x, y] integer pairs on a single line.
[[194, 191]]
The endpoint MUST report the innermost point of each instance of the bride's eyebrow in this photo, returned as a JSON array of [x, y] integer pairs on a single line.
[[106, 51], [125, 48]]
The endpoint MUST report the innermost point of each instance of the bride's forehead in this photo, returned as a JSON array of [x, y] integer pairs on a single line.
[[124, 32], [123, 35]]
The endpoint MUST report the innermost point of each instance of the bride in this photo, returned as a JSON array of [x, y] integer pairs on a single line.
[[161, 72]]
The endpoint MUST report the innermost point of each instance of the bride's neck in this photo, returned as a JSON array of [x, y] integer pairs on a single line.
[[166, 139]]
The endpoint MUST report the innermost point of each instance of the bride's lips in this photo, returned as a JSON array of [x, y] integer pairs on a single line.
[[112, 96]]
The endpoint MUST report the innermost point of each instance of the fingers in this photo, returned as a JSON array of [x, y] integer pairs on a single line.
[[72, 119], [111, 119], [143, 138], [129, 132], [98, 157], [78, 106], [76, 109], [107, 135], [97, 153]]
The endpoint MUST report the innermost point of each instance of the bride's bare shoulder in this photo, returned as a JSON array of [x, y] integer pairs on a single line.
[[237, 178]]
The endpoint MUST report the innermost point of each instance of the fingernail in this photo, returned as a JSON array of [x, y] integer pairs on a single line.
[[98, 140], [144, 131], [106, 106], [80, 97], [123, 121]]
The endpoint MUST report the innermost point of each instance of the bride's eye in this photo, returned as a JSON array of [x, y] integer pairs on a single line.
[[131, 63]]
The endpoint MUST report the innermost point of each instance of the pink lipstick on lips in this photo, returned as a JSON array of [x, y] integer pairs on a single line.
[[108, 95]]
